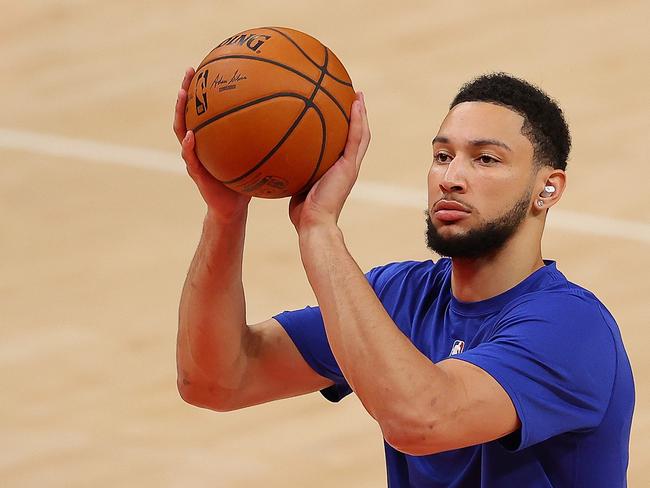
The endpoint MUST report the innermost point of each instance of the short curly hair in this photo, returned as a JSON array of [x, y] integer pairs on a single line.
[[544, 123]]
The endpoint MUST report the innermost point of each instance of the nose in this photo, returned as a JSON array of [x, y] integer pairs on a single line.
[[453, 179]]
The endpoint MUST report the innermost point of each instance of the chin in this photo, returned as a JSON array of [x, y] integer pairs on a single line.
[[451, 229]]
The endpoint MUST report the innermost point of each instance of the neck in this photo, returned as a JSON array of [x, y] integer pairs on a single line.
[[478, 279]]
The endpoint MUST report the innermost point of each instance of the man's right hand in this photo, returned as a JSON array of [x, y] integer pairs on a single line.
[[223, 203]]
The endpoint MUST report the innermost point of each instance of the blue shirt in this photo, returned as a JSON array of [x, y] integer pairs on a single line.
[[551, 345]]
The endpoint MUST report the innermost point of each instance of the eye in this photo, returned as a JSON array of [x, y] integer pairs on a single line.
[[487, 159], [442, 157]]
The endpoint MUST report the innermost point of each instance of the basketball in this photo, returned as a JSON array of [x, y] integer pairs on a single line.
[[270, 109]]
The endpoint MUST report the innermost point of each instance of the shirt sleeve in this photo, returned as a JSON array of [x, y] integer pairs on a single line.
[[307, 331], [556, 359]]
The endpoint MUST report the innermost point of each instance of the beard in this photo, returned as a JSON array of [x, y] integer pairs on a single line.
[[482, 241]]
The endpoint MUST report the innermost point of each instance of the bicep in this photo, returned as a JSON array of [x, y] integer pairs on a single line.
[[275, 368], [477, 408], [464, 406], [557, 366]]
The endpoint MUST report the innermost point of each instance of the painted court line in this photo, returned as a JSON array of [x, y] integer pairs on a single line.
[[367, 191]]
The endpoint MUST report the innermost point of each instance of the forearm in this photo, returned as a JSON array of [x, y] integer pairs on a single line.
[[212, 313], [388, 374]]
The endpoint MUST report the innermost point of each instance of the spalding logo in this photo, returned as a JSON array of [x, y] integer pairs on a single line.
[[252, 41]]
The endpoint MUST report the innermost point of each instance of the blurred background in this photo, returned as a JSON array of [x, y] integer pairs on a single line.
[[99, 221]]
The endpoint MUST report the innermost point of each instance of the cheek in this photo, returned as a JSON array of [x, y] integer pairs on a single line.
[[496, 200], [433, 182], [430, 178], [435, 176], [489, 195]]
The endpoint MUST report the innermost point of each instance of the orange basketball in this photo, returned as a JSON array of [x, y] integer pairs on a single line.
[[270, 109]]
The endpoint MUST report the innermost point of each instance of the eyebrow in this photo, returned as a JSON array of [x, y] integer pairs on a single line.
[[475, 142]]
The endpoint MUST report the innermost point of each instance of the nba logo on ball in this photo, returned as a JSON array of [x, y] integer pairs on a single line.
[[457, 348]]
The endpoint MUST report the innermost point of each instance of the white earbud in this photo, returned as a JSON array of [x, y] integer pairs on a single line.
[[548, 191]]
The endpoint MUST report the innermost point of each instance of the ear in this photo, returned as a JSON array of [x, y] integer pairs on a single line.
[[544, 200]]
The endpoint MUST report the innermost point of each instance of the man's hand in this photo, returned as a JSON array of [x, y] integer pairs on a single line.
[[324, 202], [223, 203]]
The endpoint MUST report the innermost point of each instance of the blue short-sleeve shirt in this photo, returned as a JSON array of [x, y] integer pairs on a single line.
[[551, 345]]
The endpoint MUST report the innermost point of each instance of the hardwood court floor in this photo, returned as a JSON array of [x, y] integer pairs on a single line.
[[99, 223]]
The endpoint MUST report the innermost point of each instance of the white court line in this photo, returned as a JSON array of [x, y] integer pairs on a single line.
[[367, 191]]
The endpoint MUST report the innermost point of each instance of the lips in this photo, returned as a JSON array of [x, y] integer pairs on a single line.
[[450, 211], [449, 205]]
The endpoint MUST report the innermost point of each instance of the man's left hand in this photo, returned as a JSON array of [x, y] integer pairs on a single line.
[[324, 201]]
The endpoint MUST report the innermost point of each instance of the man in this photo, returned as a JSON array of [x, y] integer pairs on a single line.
[[487, 368]]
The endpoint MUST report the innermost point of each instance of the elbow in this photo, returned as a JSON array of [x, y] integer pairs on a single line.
[[188, 393], [416, 436], [205, 396]]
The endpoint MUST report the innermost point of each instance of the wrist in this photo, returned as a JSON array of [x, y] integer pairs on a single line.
[[235, 218], [219, 232], [319, 234]]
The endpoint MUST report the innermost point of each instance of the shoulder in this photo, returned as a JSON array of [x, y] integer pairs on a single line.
[[566, 319], [563, 301], [409, 273]]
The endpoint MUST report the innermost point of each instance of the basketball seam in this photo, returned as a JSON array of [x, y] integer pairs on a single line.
[[242, 107], [343, 82], [286, 36], [288, 68], [275, 148], [323, 125], [308, 104]]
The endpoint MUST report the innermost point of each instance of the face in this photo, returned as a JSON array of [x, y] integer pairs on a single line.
[[480, 182]]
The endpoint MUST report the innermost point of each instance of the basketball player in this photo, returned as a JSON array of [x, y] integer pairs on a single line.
[[484, 368]]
